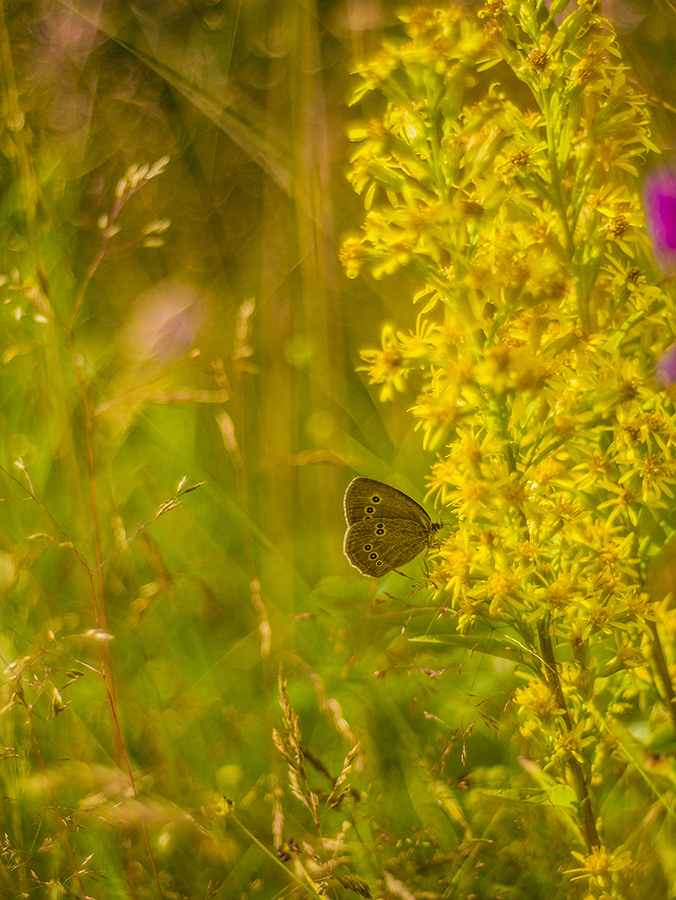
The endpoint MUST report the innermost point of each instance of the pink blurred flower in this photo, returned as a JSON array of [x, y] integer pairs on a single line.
[[659, 203], [666, 367], [164, 323]]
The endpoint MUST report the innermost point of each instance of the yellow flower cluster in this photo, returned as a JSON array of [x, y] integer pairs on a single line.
[[540, 326], [541, 318]]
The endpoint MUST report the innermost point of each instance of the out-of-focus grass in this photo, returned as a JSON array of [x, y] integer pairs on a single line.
[[141, 654]]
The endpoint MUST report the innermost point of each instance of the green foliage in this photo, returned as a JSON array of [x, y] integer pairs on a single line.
[[199, 697]]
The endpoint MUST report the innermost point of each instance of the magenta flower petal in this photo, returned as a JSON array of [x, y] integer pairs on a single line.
[[666, 366], [659, 203]]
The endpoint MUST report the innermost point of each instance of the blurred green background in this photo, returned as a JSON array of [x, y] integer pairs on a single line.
[[228, 355]]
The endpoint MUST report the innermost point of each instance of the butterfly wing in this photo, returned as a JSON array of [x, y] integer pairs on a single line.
[[377, 548], [366, 498], [386, 528]]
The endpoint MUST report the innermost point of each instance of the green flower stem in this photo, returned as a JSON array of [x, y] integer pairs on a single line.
[[660, 663], [552, 677], [552, 131]]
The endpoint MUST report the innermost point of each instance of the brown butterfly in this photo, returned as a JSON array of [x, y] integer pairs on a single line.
[[385, 527]]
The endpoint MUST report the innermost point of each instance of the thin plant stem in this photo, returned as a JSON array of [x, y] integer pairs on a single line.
[[660, 663], [579, 781]]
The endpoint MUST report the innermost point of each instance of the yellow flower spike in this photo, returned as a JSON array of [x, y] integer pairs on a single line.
[[569, 744], [500, 587], [352, 256], [601, 867], [387, 366], [560, 594], [536, 699], [541, 318]]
